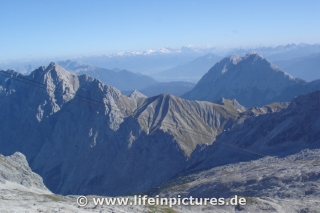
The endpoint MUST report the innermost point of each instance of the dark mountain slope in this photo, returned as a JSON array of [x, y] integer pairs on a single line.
[[282, 133]]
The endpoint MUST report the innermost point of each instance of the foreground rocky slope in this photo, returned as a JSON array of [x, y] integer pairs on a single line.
[[14, 170], [270, 184], [252, 80], [84, 137], [280, 185], [23, 191]]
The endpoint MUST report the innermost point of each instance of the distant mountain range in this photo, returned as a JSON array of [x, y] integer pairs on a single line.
[[121, 79], [191, 71], [154, 61], [147, 62], [251, 80], [127, 81], [151, 62], [281, 52], [306, 68]]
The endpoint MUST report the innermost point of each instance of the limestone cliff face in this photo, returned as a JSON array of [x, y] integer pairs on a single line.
[[84, 137]]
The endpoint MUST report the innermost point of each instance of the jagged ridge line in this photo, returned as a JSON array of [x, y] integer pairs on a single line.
[[116, 108], [102, 104], [47, 87], [92, 101]]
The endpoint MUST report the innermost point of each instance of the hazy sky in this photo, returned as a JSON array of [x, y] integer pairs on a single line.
[[50, 28]]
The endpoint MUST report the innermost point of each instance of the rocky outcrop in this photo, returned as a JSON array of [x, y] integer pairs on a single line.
[[136, 94], [14, 170]]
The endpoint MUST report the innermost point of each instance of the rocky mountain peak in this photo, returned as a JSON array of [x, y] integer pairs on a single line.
[[251, 79], [234, 59], [54, 67], [254, 54]]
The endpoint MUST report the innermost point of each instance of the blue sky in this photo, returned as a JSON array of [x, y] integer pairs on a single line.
[[36, 29]]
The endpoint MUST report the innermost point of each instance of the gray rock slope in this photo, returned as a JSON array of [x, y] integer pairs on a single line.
[[136, 94], [270, 184], [121, 79], [252, 80], [14, 170], [282, 133], [282, 185], [307, 68], [21, 190], [84, 137]]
